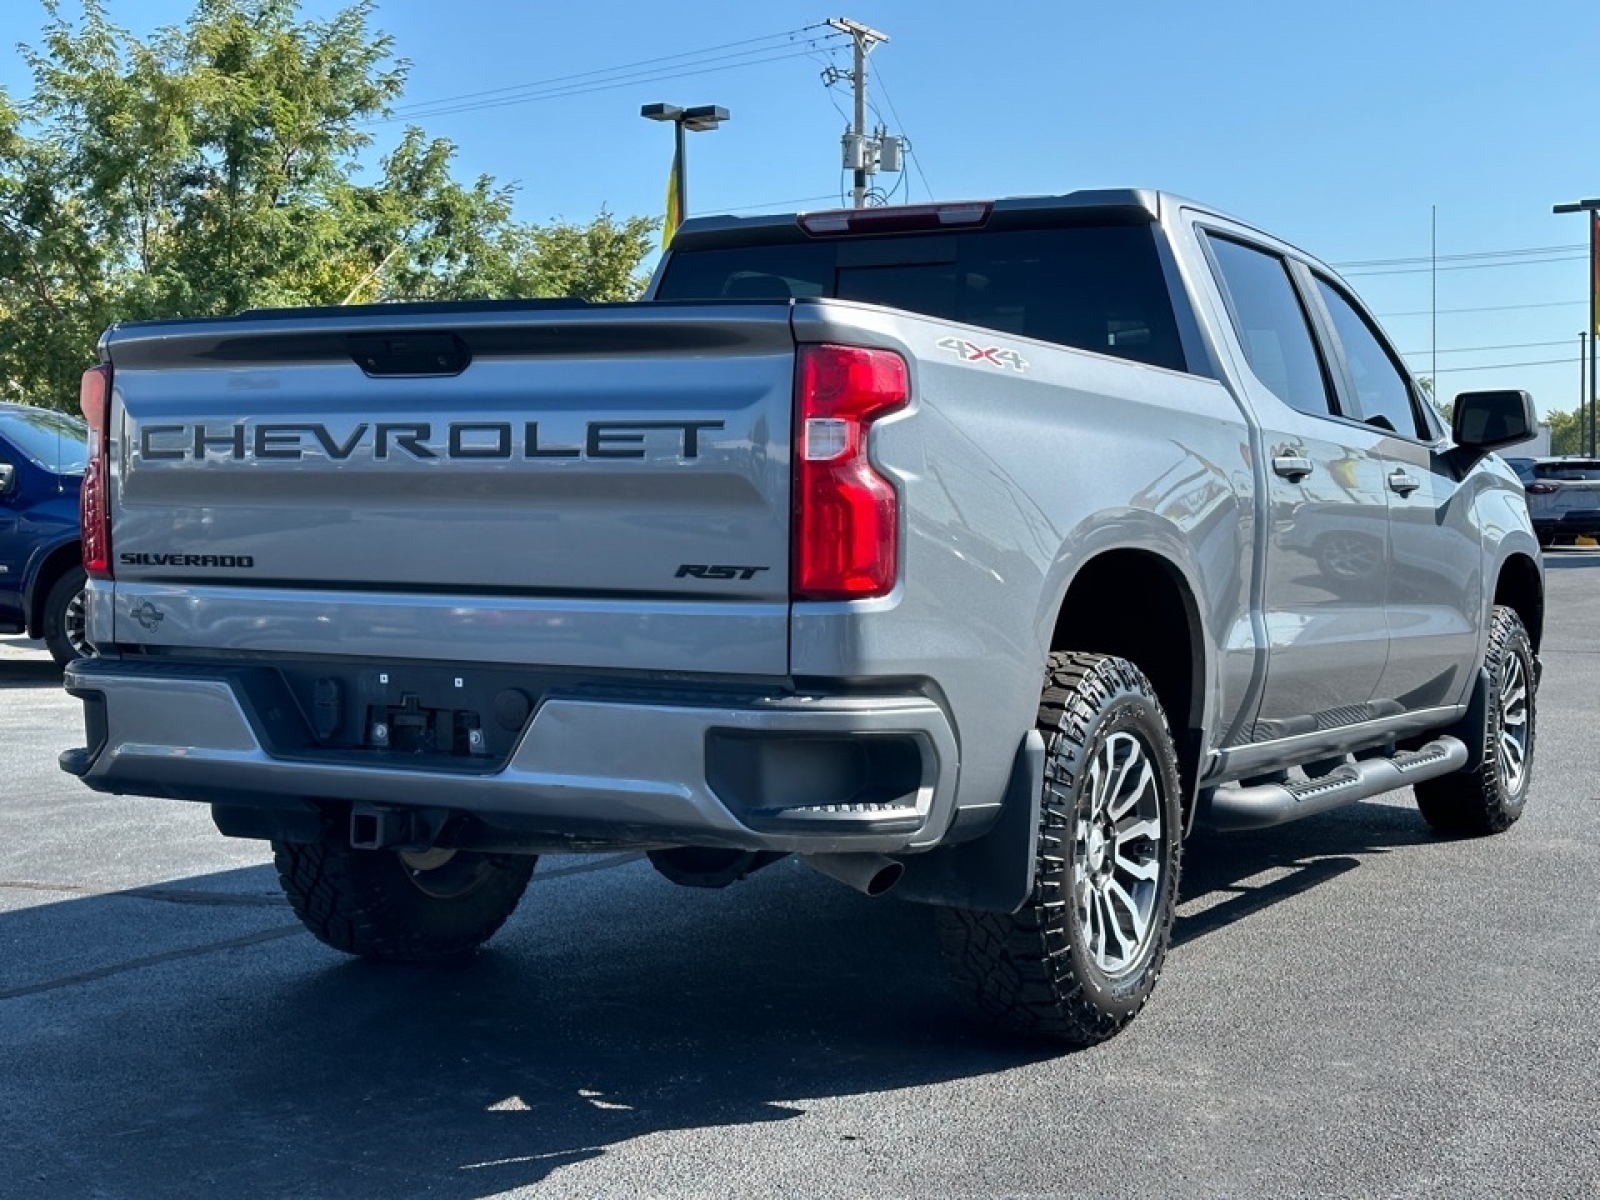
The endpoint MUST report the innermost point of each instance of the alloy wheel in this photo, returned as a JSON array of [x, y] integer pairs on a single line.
[[75, 624], [1513, 748], [1116, 861]]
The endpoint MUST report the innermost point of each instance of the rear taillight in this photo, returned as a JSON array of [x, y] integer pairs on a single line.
[[846, 515], [94, 397], [1543, 489]]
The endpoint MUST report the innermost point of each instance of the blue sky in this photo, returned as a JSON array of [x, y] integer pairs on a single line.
[[1338, 127]]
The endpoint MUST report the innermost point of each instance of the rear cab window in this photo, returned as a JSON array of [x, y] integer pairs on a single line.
[[1089, 286], [1570, 470], [1272, 325]]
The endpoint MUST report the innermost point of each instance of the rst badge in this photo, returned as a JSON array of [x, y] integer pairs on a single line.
[[718, 571]]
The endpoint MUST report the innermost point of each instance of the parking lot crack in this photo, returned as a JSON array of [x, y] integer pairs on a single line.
[[151, 960], [169, 895]]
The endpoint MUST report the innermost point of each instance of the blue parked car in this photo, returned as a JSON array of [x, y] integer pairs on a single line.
[[42, 456]]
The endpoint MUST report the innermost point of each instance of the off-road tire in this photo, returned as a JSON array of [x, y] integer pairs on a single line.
[[62, 619], [1490, 797], [370, 903], [1034, 972]]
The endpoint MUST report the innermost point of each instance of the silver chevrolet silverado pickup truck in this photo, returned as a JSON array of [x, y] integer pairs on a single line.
[[973, 553]]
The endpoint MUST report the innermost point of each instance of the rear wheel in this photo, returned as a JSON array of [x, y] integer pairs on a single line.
[[400, 906], [1491, 796], [65, 625], [1082, 956]]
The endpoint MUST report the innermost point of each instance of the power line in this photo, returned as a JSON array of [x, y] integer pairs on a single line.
[[1401, 262], [644, 62], [1543, 362], [776, 203], [831, 75], [900, 124], [557, 91], [562, 82], [1424, 312], [1481, 349], [1472, 266]]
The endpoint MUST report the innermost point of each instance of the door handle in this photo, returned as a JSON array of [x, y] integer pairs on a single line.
[[1405, 484], [1291, 466]]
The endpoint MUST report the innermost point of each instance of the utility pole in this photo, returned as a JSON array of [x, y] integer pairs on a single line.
[[1433, 253], [1583, 381], [1591, 210], [860, 153]]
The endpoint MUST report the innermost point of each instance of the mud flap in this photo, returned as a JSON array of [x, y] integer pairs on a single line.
[[994, 872], [1470, 727]]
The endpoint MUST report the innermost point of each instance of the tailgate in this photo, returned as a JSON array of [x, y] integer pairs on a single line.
[[603, 463], [1575, 495]]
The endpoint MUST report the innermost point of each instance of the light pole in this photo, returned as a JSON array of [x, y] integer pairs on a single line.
[[1592, 207], [705, 116]]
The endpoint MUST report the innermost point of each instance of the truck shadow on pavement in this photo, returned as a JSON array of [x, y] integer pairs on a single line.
[[188, 1038], [1220, 871], [234, 1055], [29, 674]]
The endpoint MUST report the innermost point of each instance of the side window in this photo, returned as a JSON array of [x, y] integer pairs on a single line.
[[1382, 388], [1272, 326]]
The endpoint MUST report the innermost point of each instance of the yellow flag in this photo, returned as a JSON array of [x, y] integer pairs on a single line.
[[1594, 270], [674, 217]]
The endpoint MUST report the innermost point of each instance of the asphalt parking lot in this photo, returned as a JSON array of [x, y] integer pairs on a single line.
[[1352, 1007]]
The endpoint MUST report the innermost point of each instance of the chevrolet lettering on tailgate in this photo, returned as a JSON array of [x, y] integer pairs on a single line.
[[292, 441]]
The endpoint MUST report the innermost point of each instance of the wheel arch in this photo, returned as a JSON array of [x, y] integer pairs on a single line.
[[1520, 587], [57, 561], [1140, 606]]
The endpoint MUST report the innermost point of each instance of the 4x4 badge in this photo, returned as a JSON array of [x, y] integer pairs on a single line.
[[995, 356], [148, 615]]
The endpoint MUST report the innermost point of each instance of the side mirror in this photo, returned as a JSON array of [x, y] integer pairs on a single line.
[[8, 476], [1487, 421]]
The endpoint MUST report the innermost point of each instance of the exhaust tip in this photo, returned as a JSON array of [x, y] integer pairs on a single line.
[[869, 874], [884, 879]]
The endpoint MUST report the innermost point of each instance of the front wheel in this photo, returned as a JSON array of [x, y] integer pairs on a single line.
[[65, 624], [400, 906], [1082, 956], [1491, 796]]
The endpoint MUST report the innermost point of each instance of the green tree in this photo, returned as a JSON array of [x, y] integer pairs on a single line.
[[1569, 432], [1445, 408], [223, 165]]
